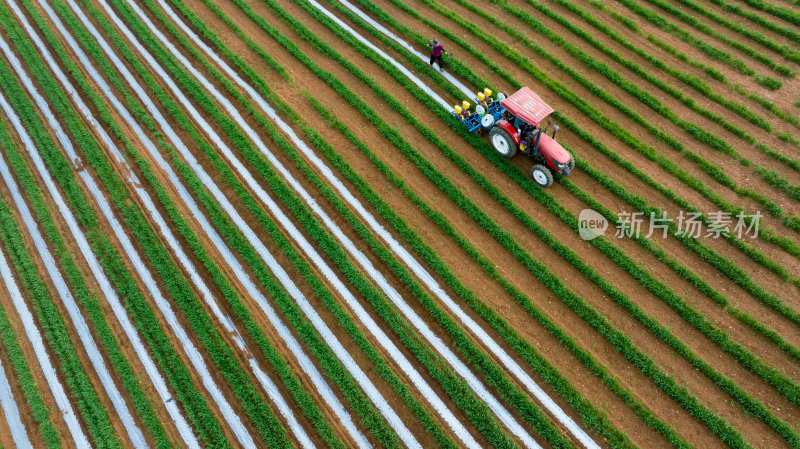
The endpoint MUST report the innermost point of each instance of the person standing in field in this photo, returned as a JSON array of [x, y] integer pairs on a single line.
[[436, 53]]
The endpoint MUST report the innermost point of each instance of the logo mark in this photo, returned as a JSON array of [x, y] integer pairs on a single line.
[[591, 224]]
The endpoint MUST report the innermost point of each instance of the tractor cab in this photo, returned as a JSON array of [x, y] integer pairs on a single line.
[[519, 129]]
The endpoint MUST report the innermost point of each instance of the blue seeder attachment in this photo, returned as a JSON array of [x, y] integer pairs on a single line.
[[473, 121]]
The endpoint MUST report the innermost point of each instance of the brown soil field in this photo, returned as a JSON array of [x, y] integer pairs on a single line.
[[769, 381]]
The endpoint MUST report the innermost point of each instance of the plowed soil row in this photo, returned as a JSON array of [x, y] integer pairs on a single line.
[[318, 89], [402, 289], [638, 188], [393, 399], [745, 176], [228, 338], [303, 81], [93, 286]]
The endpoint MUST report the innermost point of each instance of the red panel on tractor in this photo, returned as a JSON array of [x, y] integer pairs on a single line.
[[528, 106], [553, 150]]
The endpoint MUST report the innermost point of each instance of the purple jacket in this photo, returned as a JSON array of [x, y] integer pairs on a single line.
[[437, 50]]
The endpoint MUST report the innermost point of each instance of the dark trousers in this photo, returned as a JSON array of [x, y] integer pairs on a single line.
[[439, 59]]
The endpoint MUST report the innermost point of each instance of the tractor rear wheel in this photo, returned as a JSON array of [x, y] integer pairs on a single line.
[[502, 142], [542, 175]]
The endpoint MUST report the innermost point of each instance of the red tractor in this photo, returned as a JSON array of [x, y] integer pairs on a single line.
[[516, 126]]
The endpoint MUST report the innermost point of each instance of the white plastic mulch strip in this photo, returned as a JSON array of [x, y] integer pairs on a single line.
[[306, 364], [418, 322], [111, 295], [268, 385], [409, 74], [82, 329], [356, 371], [426, 391], [84, 334], [416, 267], [11, 412], [429, 281], [165, 307], [452, 79], [35, 337]]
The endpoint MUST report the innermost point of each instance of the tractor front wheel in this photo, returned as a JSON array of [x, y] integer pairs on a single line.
[[542, 175], [502, 142]]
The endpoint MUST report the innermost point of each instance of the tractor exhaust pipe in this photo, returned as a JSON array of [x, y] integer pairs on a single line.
[[549, 121], [555, 130], [536, 144]]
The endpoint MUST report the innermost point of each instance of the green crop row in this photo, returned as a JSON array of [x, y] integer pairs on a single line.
[[723, 265], [478, 359], [701, 135], [646, 98], [97, 421], [782, 383], [19, 366], [282, 369], [687, 79], [624, 20], [788, 138], [769, 83], [649, 152], [79, 288], [330, 365], [785, 51], [446, 379], [264, 420], [456, 388], [588, 412], [535, 267], [687, 274], [709, 70], [81, 292], [758, 19], [786, 14], [766, 104], [774, 178], [737, 88], [713, 52]]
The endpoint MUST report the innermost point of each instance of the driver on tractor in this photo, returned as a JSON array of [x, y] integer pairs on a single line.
[[520, 129]]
